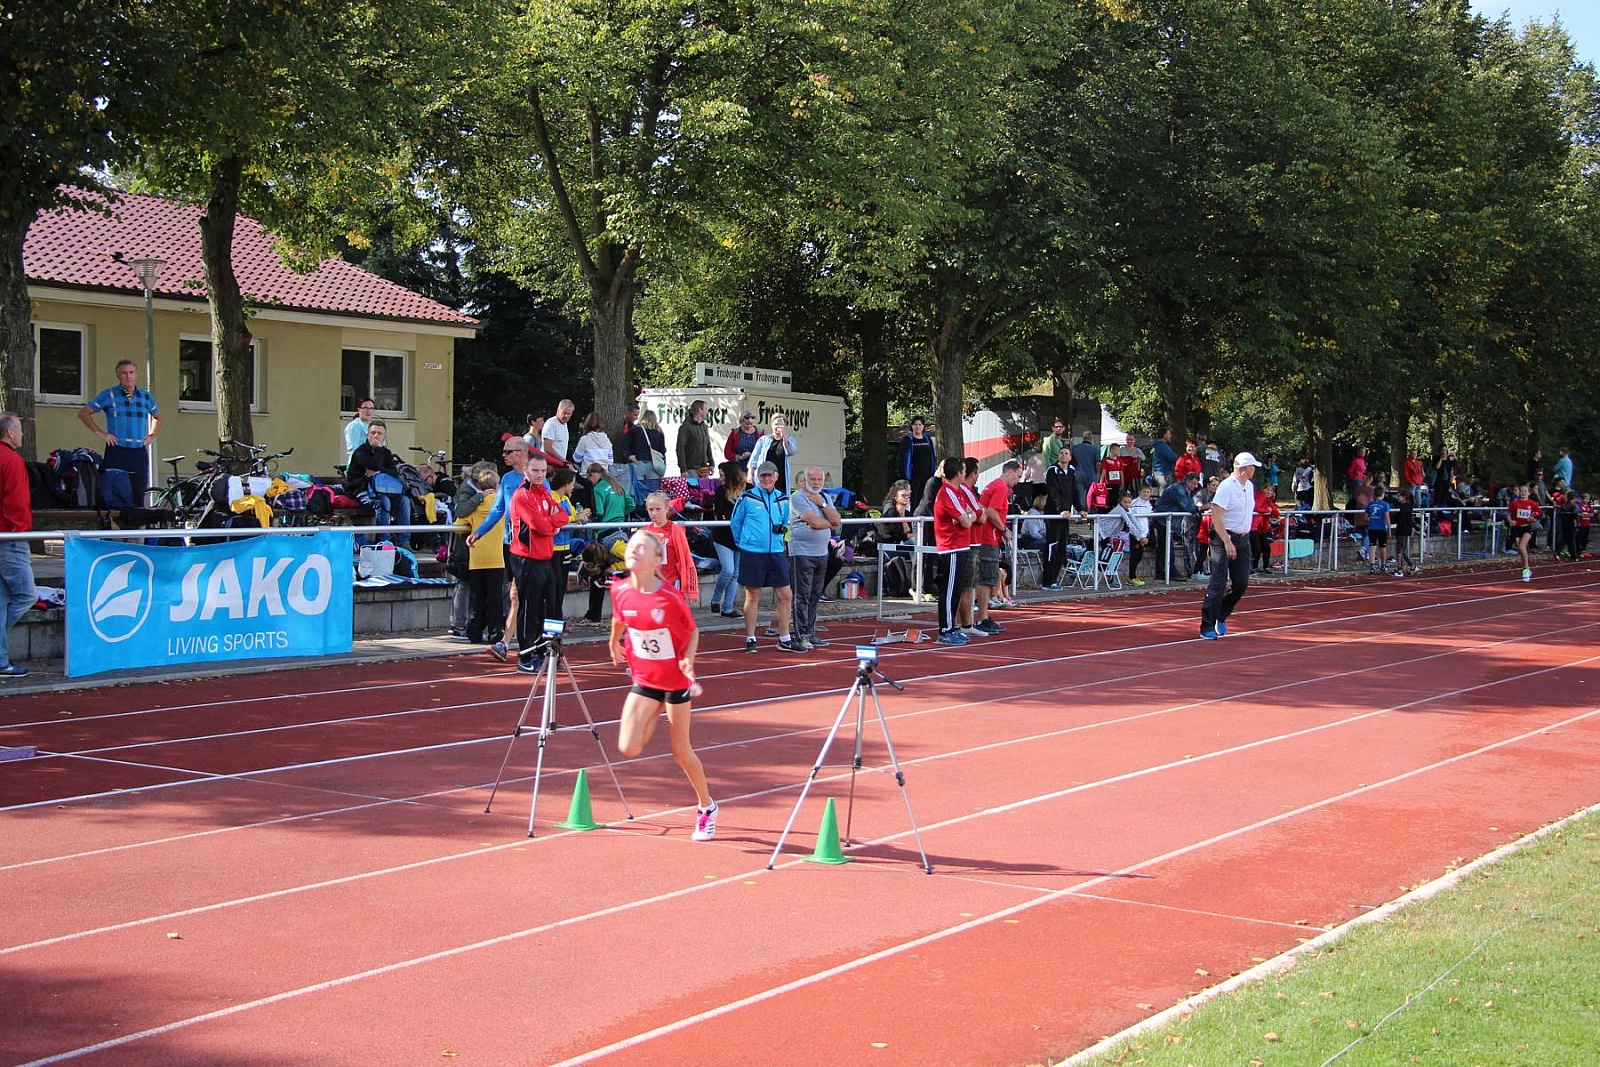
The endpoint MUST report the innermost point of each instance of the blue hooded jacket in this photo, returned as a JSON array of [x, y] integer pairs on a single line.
[[754, 516]]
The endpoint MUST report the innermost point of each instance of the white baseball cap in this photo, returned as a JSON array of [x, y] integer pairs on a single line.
[[1245, 459]]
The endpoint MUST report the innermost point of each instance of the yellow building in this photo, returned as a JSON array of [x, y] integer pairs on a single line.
[[322, 339]]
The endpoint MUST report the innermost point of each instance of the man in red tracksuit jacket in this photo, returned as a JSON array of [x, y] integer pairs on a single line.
[[535, 518], [17, 591]]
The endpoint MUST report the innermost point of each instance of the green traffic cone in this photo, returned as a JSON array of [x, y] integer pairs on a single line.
[[579, 817], [827, 850]]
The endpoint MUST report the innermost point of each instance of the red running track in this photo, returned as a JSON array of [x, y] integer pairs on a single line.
[[299, 870]]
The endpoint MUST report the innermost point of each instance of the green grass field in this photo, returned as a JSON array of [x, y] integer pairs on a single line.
[[1500, 970]]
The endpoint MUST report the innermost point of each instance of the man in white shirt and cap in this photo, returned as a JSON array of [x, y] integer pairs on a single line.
[[1232, 509]]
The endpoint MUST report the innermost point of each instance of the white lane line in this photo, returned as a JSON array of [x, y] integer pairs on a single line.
[[990, 644], [843, 773], [892, 951], [1338, 595], [966, 672], [814, 978]]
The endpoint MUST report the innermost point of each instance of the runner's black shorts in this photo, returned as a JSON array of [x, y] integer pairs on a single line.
[[662, 696]]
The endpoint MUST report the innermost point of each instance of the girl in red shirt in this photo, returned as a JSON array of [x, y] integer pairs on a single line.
[[1521, 514], [654, 633], [677, 566]]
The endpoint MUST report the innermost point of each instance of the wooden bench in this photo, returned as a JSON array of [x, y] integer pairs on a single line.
[[67, 519]]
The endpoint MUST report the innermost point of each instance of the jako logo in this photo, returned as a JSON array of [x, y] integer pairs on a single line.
[[120, 592]]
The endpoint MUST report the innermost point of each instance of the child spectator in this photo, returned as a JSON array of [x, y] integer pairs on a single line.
[[1115, 524], [1263, 522], [567, 545], [1403, 522], [1119, 472], [1355, 512], [1584, 513], [1563, 521], [1377, 510], [677, 563], [1139, 509]]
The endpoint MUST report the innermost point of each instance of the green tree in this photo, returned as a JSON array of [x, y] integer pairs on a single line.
[[65, 68], [604, 139], [292, 113]]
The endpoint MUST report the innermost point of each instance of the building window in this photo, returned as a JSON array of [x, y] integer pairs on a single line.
[[59, 363], [197, 381], [380, 375]]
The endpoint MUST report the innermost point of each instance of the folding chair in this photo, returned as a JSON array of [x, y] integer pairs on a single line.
[[1109, 569], [1081, 570]]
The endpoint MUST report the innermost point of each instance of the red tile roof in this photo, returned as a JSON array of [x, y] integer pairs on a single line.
[[89, 249]]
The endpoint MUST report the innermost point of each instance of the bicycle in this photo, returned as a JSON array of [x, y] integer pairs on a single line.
[[197, 502], [178, 490]]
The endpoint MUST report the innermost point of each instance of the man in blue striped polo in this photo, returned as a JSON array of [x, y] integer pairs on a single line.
[[132, 419]]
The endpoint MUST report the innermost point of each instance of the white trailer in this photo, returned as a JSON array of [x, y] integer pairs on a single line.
[[816, 421]]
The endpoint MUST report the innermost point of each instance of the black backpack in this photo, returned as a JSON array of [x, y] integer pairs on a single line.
[[86, 476], [896, 576], [61, 478]]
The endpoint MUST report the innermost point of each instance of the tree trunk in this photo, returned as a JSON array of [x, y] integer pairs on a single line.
[[948, 354], [1174, 402], [1399, 436], [17, 353], [1311, 447], [1063, 391], [230, 328], [611, 315], [874, 408], [1322, 499]]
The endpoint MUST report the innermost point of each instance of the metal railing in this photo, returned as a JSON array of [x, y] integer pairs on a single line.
[[1473, 533]]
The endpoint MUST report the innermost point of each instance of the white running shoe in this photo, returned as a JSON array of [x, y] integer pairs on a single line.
[[705, 824]]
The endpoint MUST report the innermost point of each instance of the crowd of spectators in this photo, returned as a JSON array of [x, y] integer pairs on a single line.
[[760, 519]]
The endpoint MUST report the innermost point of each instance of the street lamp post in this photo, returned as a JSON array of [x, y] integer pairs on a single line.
[[149, 272]]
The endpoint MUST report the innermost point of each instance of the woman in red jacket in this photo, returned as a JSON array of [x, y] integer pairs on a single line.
[[535, 517]]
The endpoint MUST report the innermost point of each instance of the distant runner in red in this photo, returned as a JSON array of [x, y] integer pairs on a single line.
[[653, 631], [1521, 514]]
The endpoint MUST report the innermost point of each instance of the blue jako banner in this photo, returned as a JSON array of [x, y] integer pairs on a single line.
[[274, 595]]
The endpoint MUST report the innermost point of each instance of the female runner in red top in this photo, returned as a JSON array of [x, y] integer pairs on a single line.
[[1521, 514], [653, 630]]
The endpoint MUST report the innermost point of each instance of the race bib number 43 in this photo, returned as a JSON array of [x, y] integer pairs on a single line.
[[653, 644]]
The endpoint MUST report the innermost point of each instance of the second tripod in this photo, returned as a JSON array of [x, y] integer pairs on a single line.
[[866, 669], [555, 660]]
